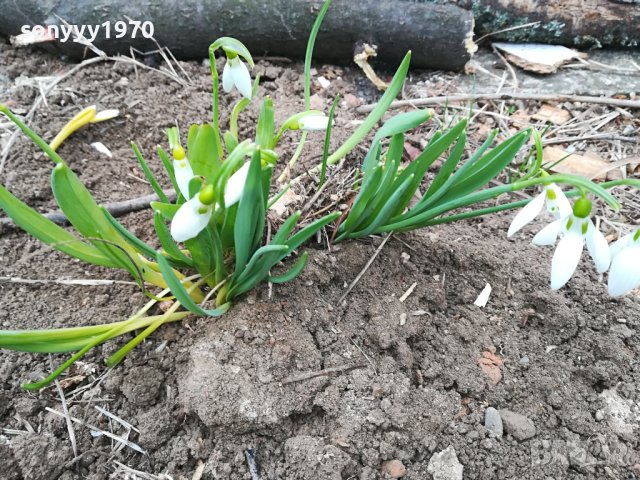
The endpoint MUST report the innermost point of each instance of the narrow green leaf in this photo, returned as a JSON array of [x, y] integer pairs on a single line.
[[85, 215], [401, 123], [448, 166], [167, 242], [293, 271], [376, 114], [231, 45], [250, 213], [203, 153], [138, 244], [168, 166], [181, 294], [265, 128], [309, 52], [147, 173], [327, 141], [488, 166], [49, 233], [168, 210]]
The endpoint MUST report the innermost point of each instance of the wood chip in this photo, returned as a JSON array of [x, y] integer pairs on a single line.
[[555, 115], [409, 291], [588, 165], [538, 57], [483, 297]]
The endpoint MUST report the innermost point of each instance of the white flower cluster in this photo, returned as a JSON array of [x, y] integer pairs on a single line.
[[574, 228]]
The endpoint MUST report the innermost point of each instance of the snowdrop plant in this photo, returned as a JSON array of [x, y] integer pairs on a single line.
[[210, 239]]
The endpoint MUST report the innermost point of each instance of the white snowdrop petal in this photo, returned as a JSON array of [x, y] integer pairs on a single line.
[[565, 259], [549, 234], [184, 173], [105, 115], [235, 186], [617, 246], [561, 203], [314, 123], [598, 248], [526, 214], [102, 148], [188, 222], [241, 78], [227, 78], [624, 275]]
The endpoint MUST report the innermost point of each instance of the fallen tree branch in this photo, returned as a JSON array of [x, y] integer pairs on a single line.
[[545, 97], [117, 209]]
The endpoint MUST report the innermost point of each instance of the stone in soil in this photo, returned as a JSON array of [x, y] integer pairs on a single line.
[[518, 426], [444, 465], [394, 469], [493, 421]]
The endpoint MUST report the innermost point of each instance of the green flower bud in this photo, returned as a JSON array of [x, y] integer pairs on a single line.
[[206, 195], [582, 208]]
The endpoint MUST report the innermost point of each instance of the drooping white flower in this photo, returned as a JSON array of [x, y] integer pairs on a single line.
[[575, 229], [312, 123], [235, 186], [236, 73], [624, 275], [182, 170], [553, 197], [191, 218]]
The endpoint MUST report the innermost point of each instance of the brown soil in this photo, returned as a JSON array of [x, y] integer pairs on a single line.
[[398, 380]]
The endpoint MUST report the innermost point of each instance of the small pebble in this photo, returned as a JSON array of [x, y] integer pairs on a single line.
[[394, 469], [493, 421], [524, 361], [517, 425]]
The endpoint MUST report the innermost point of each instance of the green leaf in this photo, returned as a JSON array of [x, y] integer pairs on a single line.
[[49, 233], [401, 123], [85, 215], [376, 114], [488, 166], [418, 168], [387, 211], [251, 213], [448, 166], [365, 196], [167, 242], [231, 45], [203, 153], [264, 131], [181, 294], [147, 173], [384, 189], [168, 210], [327, 141], [309, 52], [138, 244], [168, 166], [293, 271]]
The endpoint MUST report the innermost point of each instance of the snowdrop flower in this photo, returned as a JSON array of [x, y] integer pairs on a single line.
[[236, 73], [553, 197], [575, 229], [182, 170], [312, 123], [193, 216], [624, 275]]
